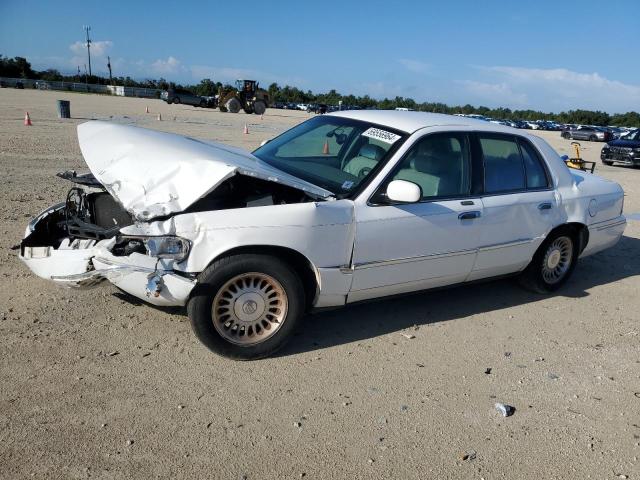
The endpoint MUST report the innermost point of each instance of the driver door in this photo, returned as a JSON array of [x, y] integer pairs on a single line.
[[406, 247]]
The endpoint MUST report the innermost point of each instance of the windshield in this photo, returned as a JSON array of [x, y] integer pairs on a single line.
[[335, 153], [632, 135]]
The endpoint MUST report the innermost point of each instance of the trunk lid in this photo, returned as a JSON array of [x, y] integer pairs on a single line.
[[155, 174]]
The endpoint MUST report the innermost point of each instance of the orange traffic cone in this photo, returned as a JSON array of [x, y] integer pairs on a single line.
[[325, 148], [27, 120], [246, 129], [159, 117], [146, 109]]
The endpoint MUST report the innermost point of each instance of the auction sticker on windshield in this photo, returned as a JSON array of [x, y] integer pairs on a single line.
[[383, 136]]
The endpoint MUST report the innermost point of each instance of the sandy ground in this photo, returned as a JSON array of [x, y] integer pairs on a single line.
[[94, 386]]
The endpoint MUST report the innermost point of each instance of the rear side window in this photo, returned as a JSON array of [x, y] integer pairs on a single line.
[[503, 165], [536, 174]]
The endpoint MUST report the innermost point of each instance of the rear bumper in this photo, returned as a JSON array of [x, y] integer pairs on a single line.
[[603, 235]]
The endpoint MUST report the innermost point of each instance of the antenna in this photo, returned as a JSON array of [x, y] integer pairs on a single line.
[[87, 29]]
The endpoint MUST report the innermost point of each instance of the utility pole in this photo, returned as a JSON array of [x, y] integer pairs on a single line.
[[109, 67], [87, 29]]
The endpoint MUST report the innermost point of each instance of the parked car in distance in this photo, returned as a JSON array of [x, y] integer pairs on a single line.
[[625, 150], [587, 132], [342, 208], [319, 108], [180, 95]]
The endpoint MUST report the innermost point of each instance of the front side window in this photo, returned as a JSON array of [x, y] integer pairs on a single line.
[[439, 164], [335, 153], [503, 165]]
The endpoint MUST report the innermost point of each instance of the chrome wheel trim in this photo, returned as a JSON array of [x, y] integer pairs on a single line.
[[249, 308], [557, 260]]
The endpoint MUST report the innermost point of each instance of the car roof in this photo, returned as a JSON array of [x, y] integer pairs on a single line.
[[411, 121]]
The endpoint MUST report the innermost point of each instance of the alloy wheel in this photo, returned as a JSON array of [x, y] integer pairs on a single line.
[[249, 308]]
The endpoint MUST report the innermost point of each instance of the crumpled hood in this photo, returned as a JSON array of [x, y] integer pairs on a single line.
[[154, 174]]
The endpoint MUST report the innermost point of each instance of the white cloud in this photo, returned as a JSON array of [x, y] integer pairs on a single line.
[[415, 66], [496, 94], [560, 88], [99, 48], [170, 66], [99, 51], [223, 74]]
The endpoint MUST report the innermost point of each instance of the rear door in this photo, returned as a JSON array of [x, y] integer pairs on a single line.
[[519, 204]]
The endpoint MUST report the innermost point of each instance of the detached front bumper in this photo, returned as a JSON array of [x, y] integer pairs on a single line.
[[86, 268], [86, 263]]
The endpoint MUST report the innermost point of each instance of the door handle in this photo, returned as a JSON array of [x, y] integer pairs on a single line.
[[469, 215], [545, 206]]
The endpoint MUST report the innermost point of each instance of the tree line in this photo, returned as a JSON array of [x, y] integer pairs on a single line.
[[19, 67]]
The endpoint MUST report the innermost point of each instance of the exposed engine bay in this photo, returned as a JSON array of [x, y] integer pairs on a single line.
[[90, 213]]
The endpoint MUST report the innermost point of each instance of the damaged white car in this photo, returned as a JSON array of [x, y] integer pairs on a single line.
[[341, 208]]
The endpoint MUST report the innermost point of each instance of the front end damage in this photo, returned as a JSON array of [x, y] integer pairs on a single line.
[[140, 177], [78, 244]]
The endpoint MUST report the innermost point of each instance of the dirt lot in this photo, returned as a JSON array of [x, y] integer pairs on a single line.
[[94, 386]]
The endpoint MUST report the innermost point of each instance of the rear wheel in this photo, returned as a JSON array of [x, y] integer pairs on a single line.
[[553, 263], [233, 105], [246, 306], [593, 138], [259, 107]]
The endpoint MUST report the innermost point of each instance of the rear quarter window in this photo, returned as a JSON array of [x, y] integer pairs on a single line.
[[503, 165]]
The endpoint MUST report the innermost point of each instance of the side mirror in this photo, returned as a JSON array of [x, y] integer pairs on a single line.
[[403, 191]]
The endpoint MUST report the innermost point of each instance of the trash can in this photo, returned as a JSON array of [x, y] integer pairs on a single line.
[[64, 109]]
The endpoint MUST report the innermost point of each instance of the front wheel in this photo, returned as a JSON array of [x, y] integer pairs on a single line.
[[176, 100], [553, 263], [259, 107], [246, 307], [233, 105], [607, 162]]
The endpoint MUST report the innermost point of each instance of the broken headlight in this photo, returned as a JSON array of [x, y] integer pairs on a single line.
[[174, 248]]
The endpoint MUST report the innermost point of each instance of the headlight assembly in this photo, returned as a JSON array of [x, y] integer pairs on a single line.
[[174, 248]]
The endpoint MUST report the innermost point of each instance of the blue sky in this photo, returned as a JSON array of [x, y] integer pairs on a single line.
[[545, 55]]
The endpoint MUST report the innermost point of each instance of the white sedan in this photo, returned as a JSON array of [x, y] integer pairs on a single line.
[[342, 208]]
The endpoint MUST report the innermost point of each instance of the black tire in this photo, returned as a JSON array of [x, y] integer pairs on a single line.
[[607, 162], [233, 105], [203, 103], [259, 107], [176, 100], [593, 138], [215, 277], [532, 278]]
